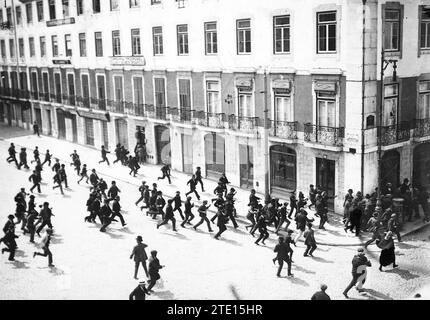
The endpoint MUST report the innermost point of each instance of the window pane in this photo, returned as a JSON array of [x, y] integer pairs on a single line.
[[327, 17]]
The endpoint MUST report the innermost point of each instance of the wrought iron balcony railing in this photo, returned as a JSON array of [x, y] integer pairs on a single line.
[[331, 136], [209, 119], [283, 129], [241, 123], [135, 109], [181, 115], [421, 127], [156, 112], [395, 133]]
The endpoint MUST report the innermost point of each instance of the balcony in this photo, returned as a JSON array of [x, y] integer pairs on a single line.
[[421, 128], [135, 109], [329, 136], [83, 102], [241, 123], [113, 106], [156, 112], [181, 115], [395, 133], [209, 119], [283, 129]]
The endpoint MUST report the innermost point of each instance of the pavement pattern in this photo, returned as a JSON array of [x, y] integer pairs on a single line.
[[94, 265]]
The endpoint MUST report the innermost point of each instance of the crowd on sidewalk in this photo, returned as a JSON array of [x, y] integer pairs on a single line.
[[360, 213]]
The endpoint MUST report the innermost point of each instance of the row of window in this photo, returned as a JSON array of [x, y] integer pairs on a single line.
[[282, 103], [281, 34], [326, 37], [65, 6]]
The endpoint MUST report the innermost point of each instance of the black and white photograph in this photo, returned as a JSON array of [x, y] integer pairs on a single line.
[[215, 150]]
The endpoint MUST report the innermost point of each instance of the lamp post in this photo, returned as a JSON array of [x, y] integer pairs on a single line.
[[384, 64]]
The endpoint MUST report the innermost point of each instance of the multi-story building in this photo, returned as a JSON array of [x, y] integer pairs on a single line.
[[287, 87]]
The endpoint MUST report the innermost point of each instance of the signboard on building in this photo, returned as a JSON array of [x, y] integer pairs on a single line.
[[60, 22], [127, 61], [92, 115], [61, 62], [325, 86]]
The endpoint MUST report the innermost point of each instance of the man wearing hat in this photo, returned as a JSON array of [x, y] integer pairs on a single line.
[[140, 292], [35, 178], [169, 216], [359, 263], [30, 226], [140, 256], [202, 213], [23, 159], [46, 241], [177, 204], [193, 183], [310, 241], [198, 176], [282, 212], [188, 214], [321, 295], [301, 220], [154, 269], [116, 211], [282, 255], [12, 154], [9, 223], [375, 226], [393, 226], [142, 189], [45, 214], [9, 239]]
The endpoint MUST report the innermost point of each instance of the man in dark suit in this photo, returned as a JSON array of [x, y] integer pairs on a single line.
[[168, 216], [192, 183], [23, 159], [282, 255], [12, 154], [154, 269], [140, 292], [104, 153]]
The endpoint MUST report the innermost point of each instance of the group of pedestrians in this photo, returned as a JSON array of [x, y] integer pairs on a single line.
[[360, 212], [32, 222]]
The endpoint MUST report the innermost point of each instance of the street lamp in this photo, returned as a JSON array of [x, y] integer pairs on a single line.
[[384, 64]]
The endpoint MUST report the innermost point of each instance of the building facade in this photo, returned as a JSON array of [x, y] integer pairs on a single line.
[[242, 87]]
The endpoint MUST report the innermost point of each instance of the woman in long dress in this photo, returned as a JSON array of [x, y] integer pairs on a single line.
[[387, 256]]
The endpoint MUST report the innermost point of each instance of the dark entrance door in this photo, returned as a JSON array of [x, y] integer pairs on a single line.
[[187, 153], [1, 112], [105, 134], [214, 155], [74, 128], [61, 124], [421, 168], [390, 168], [9, 114], [121, 132], [162, 138], [49, 121], [38, 114], [325, 173], [246, 166], [283, 168]]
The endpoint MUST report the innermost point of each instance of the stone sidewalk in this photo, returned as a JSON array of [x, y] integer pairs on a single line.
[[334, 235]]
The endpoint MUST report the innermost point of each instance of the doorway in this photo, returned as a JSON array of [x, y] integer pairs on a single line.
[[187, 153], [38, 115], [390, 168], [121, 132], [246, 166], [326, 175], [49, 121], [162, 139], [214, 155]]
